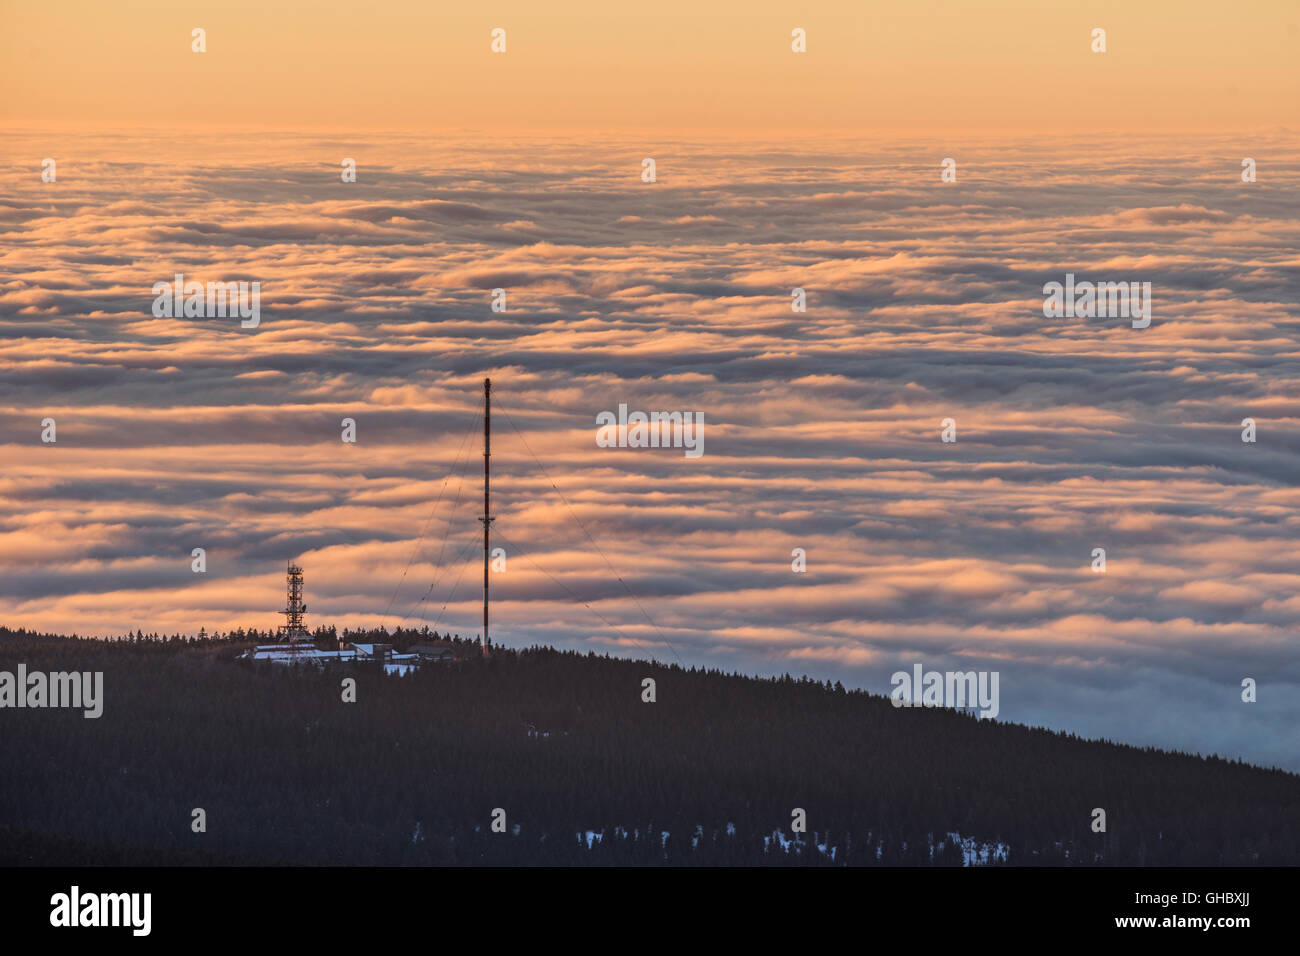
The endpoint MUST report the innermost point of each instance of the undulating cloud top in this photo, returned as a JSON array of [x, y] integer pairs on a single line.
[[823, 428]]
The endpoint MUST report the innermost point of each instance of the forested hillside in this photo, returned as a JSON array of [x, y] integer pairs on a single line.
[[585, 771]]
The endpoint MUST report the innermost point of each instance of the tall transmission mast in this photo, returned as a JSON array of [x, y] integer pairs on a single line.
[[487, 506]]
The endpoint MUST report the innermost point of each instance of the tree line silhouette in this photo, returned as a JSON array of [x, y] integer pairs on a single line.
[[585, 771]]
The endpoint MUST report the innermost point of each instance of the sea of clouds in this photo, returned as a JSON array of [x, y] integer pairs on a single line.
[[823, 428]]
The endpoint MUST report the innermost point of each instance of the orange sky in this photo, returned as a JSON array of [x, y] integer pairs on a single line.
[[667, 66]]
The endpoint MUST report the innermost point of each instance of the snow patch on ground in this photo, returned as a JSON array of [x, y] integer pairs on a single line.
[[976, 854], [973, 852]]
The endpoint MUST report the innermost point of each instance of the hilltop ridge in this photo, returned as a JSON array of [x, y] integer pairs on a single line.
[[562, 750]]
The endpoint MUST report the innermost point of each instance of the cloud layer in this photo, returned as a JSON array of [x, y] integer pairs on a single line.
[[823, 428]]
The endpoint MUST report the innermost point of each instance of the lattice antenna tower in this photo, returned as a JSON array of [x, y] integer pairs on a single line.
[[293, 628]]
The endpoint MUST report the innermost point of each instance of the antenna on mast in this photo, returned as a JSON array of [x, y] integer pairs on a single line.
[[487, 508]]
